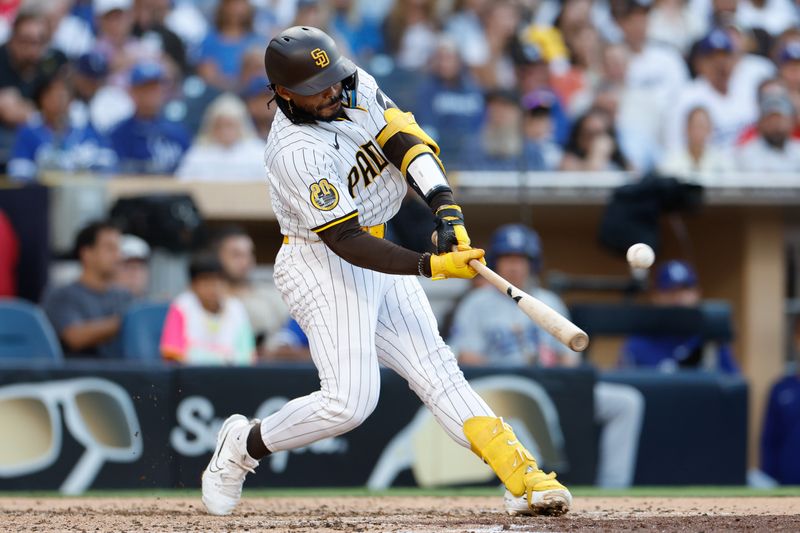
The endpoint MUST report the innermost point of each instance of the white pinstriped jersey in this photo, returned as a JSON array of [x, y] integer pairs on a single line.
[[355, 318], [320, 173]]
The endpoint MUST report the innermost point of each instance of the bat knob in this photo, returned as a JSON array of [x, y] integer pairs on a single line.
[[579, 342]]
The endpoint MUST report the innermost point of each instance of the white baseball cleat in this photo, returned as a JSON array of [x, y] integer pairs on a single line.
[[224, 476], [553, 502]]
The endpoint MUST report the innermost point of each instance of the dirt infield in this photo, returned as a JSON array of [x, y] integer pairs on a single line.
[[390, 513]]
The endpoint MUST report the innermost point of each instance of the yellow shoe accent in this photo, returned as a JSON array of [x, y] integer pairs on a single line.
[[494, 441]]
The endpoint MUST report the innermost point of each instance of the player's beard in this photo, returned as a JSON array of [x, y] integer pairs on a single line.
[[325, 112]]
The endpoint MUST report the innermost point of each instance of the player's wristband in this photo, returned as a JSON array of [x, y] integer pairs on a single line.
[[424, 261]]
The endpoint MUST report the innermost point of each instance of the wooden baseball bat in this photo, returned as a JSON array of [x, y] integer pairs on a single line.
[[545, 316]]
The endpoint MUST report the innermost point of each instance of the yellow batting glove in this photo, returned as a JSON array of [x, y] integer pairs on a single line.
[[455, 264]]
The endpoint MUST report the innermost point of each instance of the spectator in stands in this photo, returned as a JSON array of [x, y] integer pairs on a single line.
[[731, 111], [115, 40], [676, 286], [257, 96], [227, 148], [410, 32], [697, 156], [780, 438], [134, 269], [25, 64], [609, 89], [361, 33], [148, 27], [773, 86], [672, 23], [501, 20], [187, 19], [450, 103], [262, 301], [220, 54], [71, 34], [190, 103], [555, 44], [722, 13], [579, 75], [95, 101], [148, 143], [774, 149], [789, 69], [311, 13], [657, 70], [9, 257], [86, 314], [538, 128], [506, 337], [252, 65], [772, 16], [751, 67], [53, 140], [289, 344], [532, 72], [203, 325], [593, 144], [499, 145], [464, 27]]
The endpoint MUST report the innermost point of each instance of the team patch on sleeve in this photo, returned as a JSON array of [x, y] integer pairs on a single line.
[[324, 196]]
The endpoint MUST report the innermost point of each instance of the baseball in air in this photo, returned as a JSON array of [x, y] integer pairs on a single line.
[[641, 255]]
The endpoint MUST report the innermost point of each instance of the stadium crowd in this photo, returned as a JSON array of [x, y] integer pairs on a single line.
[[177, 86]]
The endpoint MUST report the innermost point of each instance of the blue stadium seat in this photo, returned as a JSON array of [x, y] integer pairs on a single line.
[[141, 331], [25, 333]]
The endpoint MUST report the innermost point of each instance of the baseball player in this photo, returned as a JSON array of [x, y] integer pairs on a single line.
[[339, 158]]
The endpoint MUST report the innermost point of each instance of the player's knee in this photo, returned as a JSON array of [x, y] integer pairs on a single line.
[[448, 374], [349, 412]]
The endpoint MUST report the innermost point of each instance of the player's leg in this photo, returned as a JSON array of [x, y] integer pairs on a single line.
[[619, 410], [336, 305], [408, 341]]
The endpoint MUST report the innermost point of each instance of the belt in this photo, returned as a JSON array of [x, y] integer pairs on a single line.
[[378, 231]]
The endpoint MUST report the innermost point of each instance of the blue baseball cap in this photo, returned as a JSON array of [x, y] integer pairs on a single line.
[[93, 65], [789, 52], [257, 86], [515, 239], [147, 72], [717, 40], [675, 275]]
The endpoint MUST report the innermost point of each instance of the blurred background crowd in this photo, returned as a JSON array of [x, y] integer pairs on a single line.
[[140, 88], [178, 87]]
